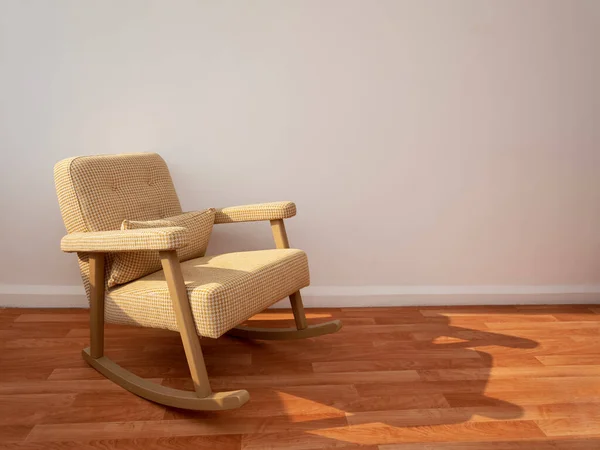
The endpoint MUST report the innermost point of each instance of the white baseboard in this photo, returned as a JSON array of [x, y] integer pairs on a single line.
[[50, 296]]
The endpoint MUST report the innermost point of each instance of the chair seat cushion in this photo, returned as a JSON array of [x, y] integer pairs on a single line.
[[224, 290]]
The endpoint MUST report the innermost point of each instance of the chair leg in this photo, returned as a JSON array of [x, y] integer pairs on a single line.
[[281, 241], [96, 262], [302, 330], [203, 398], [185, 322], [189, 336], [298, 310]]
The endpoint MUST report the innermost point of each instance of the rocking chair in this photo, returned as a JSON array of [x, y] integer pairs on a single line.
[[202, 296]]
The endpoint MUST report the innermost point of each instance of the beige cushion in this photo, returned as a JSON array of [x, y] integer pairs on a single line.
[[96, 193], [223, 290], [130, 266]]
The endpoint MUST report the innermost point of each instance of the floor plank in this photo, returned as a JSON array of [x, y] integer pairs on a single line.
[[529, 444]]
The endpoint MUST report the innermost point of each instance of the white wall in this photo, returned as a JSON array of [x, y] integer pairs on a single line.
[[427, 144]]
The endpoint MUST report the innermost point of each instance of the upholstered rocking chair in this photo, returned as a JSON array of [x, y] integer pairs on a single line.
[[124, 221]]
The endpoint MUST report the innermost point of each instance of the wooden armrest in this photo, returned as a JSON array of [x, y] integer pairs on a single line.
[[167, 238]]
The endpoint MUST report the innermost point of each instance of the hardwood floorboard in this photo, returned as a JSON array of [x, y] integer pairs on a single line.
[[505, 411], [380, 433], [241, 382], [559, 326], [510, 372], [220, 442], [160, 428], [569, 360], [520, 398], [14, 433], [578, 317], [529, 444], [588, 425], [400, 364], [443, 378]]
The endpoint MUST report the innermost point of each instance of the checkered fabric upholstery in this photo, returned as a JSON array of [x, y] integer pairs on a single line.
[[97, 193], [224, 290], [259, 211], [133, 265]]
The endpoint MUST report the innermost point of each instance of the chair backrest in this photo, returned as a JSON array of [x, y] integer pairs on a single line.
[[96, 193]]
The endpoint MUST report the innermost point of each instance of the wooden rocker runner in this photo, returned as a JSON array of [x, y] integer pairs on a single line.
[[125, 223]]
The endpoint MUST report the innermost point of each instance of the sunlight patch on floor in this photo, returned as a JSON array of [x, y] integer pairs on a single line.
[[300, 409]]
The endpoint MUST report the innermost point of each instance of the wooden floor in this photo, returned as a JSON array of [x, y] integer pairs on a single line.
[[473, 378]]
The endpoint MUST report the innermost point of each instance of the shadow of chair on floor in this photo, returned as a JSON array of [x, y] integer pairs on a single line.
[[448, 387]]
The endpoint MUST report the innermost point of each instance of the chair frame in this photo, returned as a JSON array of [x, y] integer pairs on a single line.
[[202, 398]]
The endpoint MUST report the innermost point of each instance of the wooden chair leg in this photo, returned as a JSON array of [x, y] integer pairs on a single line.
[[302, 330], [96, 262], [185, 322], [281, 241], [187, 327], [298, 310]]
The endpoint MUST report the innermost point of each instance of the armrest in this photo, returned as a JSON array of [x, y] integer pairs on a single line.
[[259, 211], [167, 238]]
